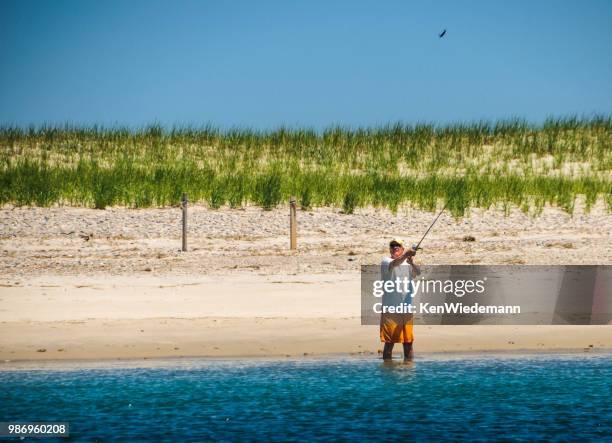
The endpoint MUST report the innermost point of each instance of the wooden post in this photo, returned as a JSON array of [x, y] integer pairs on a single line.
[[292, 224], [184, 206]]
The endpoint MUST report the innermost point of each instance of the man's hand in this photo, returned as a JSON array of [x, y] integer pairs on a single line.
[[409, 254]]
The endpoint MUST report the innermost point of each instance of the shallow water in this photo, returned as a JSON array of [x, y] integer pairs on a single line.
[[473, 397]]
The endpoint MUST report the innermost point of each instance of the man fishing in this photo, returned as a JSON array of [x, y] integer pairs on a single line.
[[397, 328]]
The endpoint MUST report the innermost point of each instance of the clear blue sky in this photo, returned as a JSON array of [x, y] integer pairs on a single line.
[[262, 64]]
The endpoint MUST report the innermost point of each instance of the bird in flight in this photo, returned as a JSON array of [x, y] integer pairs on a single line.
[[442, 34]]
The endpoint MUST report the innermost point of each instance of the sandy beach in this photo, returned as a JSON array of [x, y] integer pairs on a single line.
[[84, 283]]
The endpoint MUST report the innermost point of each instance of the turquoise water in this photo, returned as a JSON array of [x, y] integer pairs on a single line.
[[525, 397]]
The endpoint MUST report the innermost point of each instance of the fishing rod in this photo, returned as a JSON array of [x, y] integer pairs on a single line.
[[417, 247]]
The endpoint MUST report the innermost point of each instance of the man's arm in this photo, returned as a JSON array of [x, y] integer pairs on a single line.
[[399, 260], [415, 268]]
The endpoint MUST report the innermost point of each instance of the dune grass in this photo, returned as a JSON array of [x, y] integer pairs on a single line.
[[471, 165]]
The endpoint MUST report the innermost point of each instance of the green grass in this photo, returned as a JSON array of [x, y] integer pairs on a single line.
[[511, 163]]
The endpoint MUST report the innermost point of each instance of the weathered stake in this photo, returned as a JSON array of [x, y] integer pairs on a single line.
[[184, 206], [292, 224]]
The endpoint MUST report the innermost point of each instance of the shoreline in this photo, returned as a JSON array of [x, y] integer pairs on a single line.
[[187, 360], [274, 338]]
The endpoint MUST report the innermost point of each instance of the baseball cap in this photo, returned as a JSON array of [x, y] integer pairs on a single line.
[[398, 241]]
